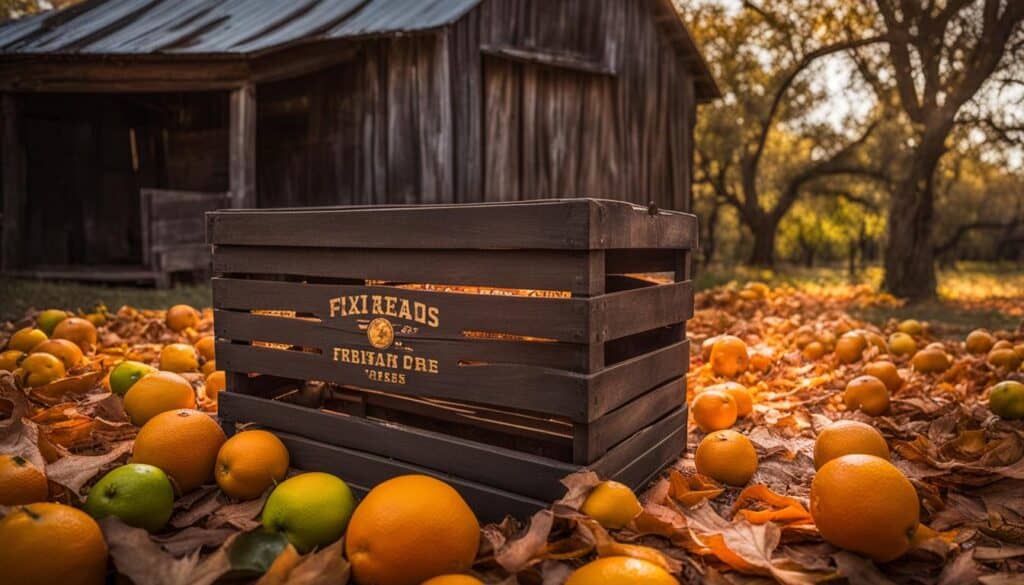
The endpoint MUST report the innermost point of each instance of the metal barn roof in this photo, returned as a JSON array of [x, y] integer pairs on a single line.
[[123, 27]]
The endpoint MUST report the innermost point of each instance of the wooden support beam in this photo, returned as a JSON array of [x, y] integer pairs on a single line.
[[242, 146], [12, 169]]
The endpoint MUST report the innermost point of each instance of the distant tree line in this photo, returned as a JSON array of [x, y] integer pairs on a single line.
[[924, 167]]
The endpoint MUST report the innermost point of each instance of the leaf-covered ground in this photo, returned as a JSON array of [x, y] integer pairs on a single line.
[[966, 464]]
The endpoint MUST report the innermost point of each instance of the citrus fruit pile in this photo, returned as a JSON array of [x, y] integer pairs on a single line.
[[821, 447]]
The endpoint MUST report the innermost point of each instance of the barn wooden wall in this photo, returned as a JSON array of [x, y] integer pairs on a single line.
[[441, 118], [549, 131], [376, 129], [82, 178]]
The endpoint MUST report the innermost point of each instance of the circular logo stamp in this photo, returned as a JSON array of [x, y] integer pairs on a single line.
[[380, 333]]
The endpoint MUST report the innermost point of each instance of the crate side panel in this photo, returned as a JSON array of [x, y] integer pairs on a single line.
[[624, 381], [621, 423]]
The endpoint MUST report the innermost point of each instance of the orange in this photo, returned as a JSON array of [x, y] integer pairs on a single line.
[[25, 339], [850, 347], [47, 320], [760, 360], [68, 353], [179, 357], [705, 347], [726, 456], [612, 504], [713, 410], [845, 437], [902, 344], [865, 504], [183, 443], [157, 392], [205, 347], [409, 529], [249, 463], [729, 356], [620, 571], [814, 350], [739, 393], [1002, 344], [21, 482], [47, 544], [868, 394], [911, 327], [181, 317], [215, 384], [41, 368], [979, 341], [930, 360], [208, 368], [453, 580], [887, 373], [77, 330], [1004, 358], [10, 359]]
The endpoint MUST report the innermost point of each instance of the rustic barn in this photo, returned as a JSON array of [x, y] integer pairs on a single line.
[[124, 119]]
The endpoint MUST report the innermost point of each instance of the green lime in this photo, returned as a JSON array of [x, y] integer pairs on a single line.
[[126, 374], [1007, 399], [311, 509], [140, 495], [49, 318]]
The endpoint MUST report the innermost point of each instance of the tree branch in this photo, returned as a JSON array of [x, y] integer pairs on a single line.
[[966, 228], [843, 194]]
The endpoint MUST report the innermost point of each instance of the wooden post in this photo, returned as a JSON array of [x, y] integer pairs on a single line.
[[12, 169], [242, 146]]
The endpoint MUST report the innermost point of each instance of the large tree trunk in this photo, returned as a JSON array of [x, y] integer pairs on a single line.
[[909, 257], [763, 253]]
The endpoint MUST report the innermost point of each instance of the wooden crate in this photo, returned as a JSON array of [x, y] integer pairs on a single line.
[[499, 346]]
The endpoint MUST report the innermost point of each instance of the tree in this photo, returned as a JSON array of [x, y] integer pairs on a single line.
[[937, 60], [758, 149]]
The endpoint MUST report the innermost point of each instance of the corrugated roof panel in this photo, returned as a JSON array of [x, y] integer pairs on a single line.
[[118, 27]]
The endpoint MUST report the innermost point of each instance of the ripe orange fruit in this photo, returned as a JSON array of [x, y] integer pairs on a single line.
[[814, 350], [705, 347], [739, 393], [453, 580], [157, 392], [620, 571], [41, 368], [902, 344], [887, 373], [10, 359], [729, 356], [979, 341], [25, 339], [409, 529], [713, 410], [612, 504], [846, 437], [21, 482], [865, 504], [208, 367], [726, 456], [1004, 358], [249, 463], [930, 360], [70, 354], [868, 394], [850, 347], [77, 330], [215, 384], [46, 543], [1003, 344], [179, 357], [911, 327], [181, 317], [205, 347], [183, 443]]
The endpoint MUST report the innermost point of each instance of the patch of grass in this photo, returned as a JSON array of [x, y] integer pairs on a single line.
[[17, 296]]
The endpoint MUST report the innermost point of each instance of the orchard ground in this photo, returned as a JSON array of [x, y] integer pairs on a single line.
[[971, 295]]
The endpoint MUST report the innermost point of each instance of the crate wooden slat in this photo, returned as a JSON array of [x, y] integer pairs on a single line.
[[499, 346]]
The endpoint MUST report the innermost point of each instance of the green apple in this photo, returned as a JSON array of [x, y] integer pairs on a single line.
[[126, 374], [140, 495], [1007, 399], [311, 509], [47, 320]]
